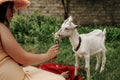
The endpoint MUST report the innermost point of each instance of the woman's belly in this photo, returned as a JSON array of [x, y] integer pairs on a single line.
[[10, 70]]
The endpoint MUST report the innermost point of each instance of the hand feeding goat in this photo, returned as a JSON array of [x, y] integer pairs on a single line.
[[84, 45]]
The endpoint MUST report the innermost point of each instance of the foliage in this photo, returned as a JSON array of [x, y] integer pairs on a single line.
[[112, 32], [34, 32], [37, 28], [34, 28]]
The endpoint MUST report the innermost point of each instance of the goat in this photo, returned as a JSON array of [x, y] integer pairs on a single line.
[[84, 45]]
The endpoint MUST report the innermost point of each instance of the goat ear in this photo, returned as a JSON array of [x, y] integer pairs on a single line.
[[76, 26]]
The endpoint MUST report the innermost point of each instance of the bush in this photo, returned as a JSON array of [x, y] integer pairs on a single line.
[[38, 28], [34, 28]]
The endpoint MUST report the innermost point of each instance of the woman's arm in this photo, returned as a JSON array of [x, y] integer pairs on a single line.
[[14, 50]]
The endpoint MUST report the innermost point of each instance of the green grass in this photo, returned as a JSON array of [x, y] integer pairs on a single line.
[[35, 34], [66, 57], [112, 69]]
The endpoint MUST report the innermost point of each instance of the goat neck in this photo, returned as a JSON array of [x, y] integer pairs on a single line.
[[74, 39]]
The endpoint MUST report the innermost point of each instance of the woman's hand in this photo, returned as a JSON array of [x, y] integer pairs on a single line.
[[53, 51]]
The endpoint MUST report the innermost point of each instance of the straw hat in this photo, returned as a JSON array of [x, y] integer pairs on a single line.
[[18, 4]]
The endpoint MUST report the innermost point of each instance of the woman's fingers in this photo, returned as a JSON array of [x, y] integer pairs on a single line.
[[53, 51]]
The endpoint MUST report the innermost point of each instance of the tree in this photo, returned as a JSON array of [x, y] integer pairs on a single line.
[[65, 4]]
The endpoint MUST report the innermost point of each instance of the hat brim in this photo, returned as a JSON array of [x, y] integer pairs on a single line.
[[18, 4]]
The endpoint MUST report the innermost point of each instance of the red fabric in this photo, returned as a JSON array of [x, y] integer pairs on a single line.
[[58, 69]]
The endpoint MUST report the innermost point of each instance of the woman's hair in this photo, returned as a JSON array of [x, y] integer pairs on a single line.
[[3, 10]]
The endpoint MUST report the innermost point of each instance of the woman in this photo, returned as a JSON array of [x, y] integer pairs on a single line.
[[12, 54]]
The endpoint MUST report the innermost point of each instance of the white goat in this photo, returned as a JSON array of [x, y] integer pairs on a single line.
[[84, 45]]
